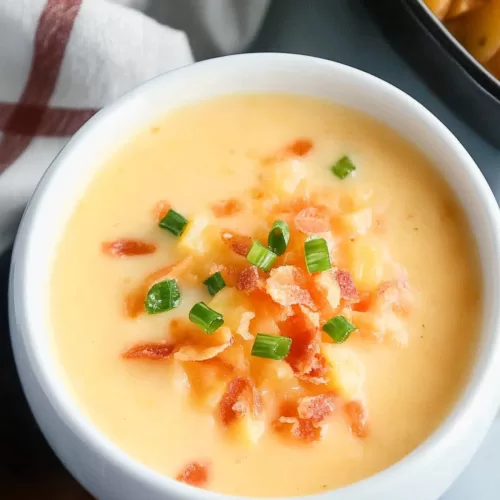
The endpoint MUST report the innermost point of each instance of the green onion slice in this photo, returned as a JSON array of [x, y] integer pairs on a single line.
[[214, 283], [207, 319], [343, 167], [317, 255], [162, 297], [279, 236], [339, 329], [261, 256], [271, 346], [174, 222]]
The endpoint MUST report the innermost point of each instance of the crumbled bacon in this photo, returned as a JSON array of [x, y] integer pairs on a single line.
[[395, 294], [303, 430], [312, 316], [299, 147], [154, 351], [227, 208], [304, 356], [161, 209], [356, 413], [308, 416], [185, 344], [192, 345], [364, 303], [311, 220], [195, 474], [316, 408], [348, 289], [249, 279], [238, 243], [318, 371], [134, 300], [128, 247], [282, 286], [240, 398]]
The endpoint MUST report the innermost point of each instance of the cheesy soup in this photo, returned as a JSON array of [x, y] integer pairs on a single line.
[[266, 295]]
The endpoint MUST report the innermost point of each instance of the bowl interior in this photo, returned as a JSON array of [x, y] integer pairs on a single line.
[[67, 179]]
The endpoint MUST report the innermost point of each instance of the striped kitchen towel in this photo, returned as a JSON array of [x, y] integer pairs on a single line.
[[62, 60]]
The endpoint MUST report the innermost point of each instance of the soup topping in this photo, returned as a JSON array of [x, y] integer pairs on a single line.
[[266, 351]]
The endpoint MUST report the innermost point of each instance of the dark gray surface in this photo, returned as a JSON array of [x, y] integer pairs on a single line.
[[334, 29]]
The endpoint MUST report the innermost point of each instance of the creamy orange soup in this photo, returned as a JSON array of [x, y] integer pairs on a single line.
[[372, 309]]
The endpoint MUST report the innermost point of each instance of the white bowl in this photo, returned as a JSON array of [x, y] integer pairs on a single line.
[[106, 471]]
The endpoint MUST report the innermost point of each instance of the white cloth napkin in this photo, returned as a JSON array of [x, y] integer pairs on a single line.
[[62, 60]]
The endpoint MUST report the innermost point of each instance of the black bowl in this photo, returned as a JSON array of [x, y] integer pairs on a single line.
[[448, 69]]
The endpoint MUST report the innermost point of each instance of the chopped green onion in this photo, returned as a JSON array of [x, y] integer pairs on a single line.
[[317, 255], [271, 346], [339, 329], [279, 236], [174, 222], [162, 297], [261, 256], [207, 319], [343, 167], [215, 283]]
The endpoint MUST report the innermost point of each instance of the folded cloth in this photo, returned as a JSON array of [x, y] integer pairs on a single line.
[[62, 60]]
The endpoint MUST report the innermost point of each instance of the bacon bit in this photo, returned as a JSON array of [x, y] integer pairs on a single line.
[[348, 289], [161, 209], [282, 287], [356, 413], [128, 248], [312, 316], [249, 280], [303, 430], [364, 304], [316, 408], [195, 474], [311, 220], [240, 398], [156, 352], [238, 243], [395, 294], [304, 356], [267, 312], [308, 416], [226, 208], [134, 301], [318, 371], [193, 345], [299, 147]]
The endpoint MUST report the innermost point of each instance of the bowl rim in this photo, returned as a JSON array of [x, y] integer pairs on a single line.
[[479, 385]]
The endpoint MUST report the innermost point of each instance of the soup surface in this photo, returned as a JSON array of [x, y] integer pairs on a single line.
[[340, 406]]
